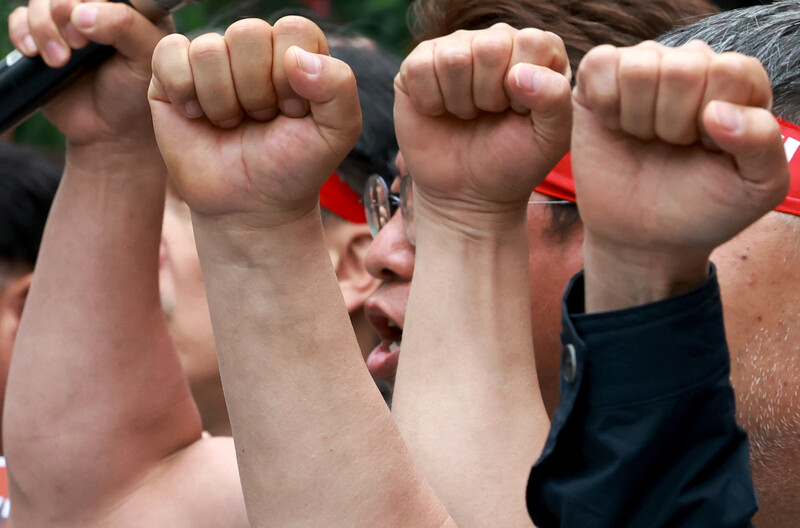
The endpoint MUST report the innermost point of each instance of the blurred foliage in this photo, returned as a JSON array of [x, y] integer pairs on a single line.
[[382, 20]]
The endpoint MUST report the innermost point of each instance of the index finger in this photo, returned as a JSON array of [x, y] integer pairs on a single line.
[[20, 33], [540, 48], [54, 49], [287, 32]]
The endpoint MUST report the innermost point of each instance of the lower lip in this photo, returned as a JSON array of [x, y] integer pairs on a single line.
[[382, 362]]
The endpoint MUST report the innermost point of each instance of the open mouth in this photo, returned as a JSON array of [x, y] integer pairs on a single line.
[[382, 361]]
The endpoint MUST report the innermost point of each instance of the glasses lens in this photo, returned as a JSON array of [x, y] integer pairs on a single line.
[[376, 204], [407, 206]]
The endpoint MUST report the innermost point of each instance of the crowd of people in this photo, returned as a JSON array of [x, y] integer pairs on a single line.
[[596, 202]]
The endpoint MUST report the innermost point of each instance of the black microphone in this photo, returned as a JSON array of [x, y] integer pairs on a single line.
[[27, 84]]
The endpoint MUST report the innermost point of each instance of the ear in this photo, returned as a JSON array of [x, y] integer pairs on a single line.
[[347, 245], [12, 301]]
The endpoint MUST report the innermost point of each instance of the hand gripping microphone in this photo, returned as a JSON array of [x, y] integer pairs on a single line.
[[27, 84]]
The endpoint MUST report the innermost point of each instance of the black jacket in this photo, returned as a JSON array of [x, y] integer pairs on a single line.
[[645, 433]]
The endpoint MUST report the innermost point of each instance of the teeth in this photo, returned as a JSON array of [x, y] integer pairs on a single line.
[[392, 324], [394, 346]]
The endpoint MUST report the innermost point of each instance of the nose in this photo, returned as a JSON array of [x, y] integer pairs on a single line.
[[390, 256]]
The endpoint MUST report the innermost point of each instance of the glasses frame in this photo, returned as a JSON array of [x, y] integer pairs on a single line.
[[380, 204]]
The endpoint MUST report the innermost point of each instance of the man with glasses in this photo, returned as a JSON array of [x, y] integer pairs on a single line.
[[758, 305]]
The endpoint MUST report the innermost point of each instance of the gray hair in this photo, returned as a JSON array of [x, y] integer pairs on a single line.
[[770, 33]]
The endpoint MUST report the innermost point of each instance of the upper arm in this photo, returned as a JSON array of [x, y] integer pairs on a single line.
[[197, 487]]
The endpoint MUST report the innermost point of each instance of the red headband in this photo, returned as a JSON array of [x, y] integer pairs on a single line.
[[338, 198], [559, 183]]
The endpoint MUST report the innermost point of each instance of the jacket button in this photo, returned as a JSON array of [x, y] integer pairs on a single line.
[[569, 363]]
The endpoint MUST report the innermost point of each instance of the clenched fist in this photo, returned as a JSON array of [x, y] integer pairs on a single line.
[[252, 123]]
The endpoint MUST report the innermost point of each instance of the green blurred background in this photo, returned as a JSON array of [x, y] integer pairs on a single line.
[[383, 20]]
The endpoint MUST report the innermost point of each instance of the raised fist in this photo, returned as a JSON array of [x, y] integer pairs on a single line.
[[483, 116], [254, 121], [674, 147], [674, 152]]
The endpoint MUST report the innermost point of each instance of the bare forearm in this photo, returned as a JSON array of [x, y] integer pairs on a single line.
[[92, 346], [619, 278], [467, 399], [316, 444]]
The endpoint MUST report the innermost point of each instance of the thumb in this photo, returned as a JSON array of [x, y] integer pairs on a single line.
[[548, 95], [330, 88], [119, 25], [752, 136]]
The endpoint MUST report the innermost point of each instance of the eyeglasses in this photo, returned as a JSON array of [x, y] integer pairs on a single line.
[[380, 204]]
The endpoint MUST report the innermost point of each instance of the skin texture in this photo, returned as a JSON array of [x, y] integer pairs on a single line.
[[391, 258], [761, 318], [14, 286], [120, 137], [183, 297], [83, 135], [252, 185], [507, 91], [692, 95], [674, 216], [107, 392]]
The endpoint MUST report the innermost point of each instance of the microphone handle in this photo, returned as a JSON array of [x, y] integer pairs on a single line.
[[28, 83]]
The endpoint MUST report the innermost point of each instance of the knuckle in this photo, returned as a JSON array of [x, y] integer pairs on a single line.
[[61, 10], [638, 68], [41, 28], [123, 18], [17, 26], [530, 39], [596, 59], [295, 25], [170, 45], [698, 45], [649, 45], [455, 59], [246, 27], [733, 63], [503, 28], [208, 46], [416, 66], [684, 67], [18, 16], [555, 42], [491, 51]]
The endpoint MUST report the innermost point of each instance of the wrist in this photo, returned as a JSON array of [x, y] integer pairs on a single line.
[[236, 240], [618, 277], [116, 157], [475, 221]]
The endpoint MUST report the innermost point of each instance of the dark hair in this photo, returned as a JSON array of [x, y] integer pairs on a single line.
[[28, 183], [770, 33], [582, 24], [376, 149]]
